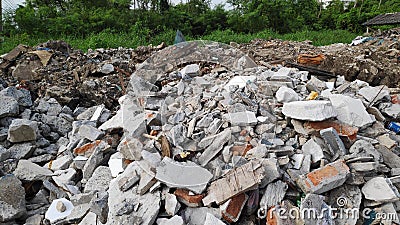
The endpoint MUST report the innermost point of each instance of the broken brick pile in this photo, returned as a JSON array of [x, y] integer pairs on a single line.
[[204, 136]]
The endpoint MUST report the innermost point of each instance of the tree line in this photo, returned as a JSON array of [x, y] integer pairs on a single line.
[[193, 17]]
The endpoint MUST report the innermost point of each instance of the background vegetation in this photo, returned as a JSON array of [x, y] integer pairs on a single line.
[[112, 23]]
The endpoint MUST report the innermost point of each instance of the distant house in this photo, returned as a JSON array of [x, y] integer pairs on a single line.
[[383, 19]]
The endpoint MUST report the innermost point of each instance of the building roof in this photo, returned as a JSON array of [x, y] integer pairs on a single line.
[[384, 19]]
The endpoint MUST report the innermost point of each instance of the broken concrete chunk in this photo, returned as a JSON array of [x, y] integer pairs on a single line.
[[197, 216], [99, 113], [205, 121], [146, 181], [53, 214], [89, 219], [333, 141], [175, 220], [297, 160], [285, 94], [54, 190], [54, 108], [61, 124], [129, 177], [314, 150], [77, 213], [171, 204], [212, 220], [351, 111], [314, 84], [319, 207], [114, 123], [374, 94], [271, 171], [22, 96], [95, 159], [386, 141], [115, 164], [346, 197], [240, 81], [191, 176], [381, 190], [152, 158], [90, 133], [134, 124], [4, 154], [324, 179], [363, 166], [363, 147], [100, 180], [309, 110], [392, 111], [107, 68], [60, 163], [245, 118], [22, 130], [177, 134], [12, 198], [244, 62], [131, 149], [273, 194], [389, 209], [130, 208], [284, 72], [28, 171], [82, 198], [64, 177], [21, 150], [35, 220], [257, 152], [215, 147], [191, 70], [99, 205], [246, 177]]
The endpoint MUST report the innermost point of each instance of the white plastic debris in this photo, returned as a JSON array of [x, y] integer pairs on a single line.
[[53, 214]]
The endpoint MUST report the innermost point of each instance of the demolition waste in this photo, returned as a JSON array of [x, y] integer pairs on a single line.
[[201, 133]]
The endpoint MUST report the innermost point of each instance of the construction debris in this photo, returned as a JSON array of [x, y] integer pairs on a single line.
[[197, 133]]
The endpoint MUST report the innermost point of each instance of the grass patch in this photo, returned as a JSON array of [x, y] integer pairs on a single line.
[[137, 37], [319, 38]]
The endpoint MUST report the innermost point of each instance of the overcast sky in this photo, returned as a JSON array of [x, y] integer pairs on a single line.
[[11, 3]]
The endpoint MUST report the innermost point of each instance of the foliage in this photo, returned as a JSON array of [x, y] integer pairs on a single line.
[[107, 23]]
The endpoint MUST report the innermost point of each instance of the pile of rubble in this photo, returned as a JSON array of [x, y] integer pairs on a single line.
[[374, 59], [70, 76], [202, 135]]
